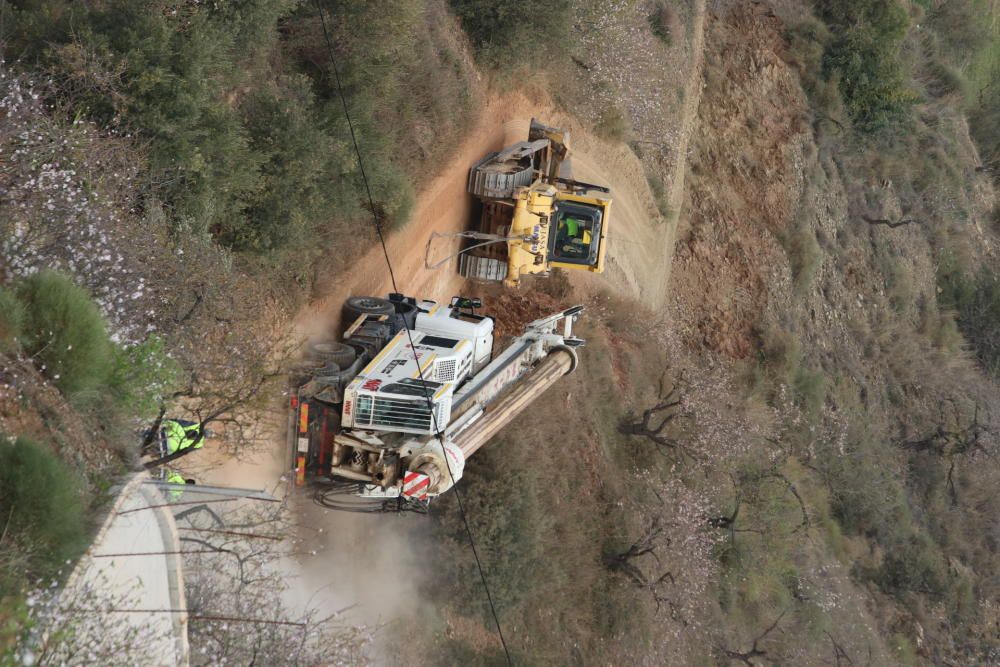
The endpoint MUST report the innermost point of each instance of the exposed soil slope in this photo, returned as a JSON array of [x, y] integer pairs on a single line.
[[745, 186]]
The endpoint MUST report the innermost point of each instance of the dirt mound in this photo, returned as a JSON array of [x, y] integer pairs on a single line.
[[514, 310], [745, 181]]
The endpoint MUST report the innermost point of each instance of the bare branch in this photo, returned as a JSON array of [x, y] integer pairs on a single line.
[[755, 651], [892, 224]]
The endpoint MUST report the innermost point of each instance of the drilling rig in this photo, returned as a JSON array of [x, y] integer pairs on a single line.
[[386, 418]]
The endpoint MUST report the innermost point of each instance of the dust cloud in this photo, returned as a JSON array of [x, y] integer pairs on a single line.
[[360, 562]]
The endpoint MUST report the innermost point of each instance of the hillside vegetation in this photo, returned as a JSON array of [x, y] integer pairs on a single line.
[[187, 171], [795, 462]]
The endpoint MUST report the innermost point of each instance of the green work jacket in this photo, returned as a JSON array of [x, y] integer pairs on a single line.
[[180, 437]]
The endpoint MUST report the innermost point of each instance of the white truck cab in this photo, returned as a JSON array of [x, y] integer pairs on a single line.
[[446, 346], [454, 322]]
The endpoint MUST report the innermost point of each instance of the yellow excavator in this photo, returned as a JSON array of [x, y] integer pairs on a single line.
[[535, 217]]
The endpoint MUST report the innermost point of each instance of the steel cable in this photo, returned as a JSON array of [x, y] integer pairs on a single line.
[[395, 288]]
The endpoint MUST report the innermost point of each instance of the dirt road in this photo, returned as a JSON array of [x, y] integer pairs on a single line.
[[443, 207], [640, 249]]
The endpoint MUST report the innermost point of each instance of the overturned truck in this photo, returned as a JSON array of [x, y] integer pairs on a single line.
[[385, 418]]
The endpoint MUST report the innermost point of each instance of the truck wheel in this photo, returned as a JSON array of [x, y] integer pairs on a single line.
[[333, 353], [367, 305]]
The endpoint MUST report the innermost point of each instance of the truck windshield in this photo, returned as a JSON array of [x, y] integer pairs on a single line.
[[575, 235]]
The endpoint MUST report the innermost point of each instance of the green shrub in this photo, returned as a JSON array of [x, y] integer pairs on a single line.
[[864, 54], [659, 191], [511, 531], [44, 501], [807, 40], [961, 25], [944, 80], [65, 333], [295, 172], [810, 392], [172, 73], [914, 565], [516, 33], [976, 303], [865, 497], [237, 105], [613, 125], [664, 21], [143, 377], [804, 253], [781, 354], [11, 321], [903, 651]]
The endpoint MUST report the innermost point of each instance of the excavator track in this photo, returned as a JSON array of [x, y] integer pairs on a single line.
[[488, 263], [482, 269]]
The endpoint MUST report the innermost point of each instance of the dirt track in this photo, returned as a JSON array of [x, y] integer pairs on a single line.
[[443, 207], [640, 249]]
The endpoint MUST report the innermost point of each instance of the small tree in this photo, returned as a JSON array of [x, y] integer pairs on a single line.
[[671, 559], [957, 436], [237, 591]]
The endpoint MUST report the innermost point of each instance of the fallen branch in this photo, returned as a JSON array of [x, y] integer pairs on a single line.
[[755, 651], [891, 224]]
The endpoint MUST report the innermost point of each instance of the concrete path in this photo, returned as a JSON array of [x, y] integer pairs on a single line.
[[131, 576]]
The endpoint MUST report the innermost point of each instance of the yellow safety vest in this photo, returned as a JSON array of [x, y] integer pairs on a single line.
[[179, 437]]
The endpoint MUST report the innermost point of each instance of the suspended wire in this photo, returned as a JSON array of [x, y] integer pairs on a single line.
[[409, 335], [490, 240]]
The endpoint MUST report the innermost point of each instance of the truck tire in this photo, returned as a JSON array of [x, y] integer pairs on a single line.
[[333, 353], [367, 305]]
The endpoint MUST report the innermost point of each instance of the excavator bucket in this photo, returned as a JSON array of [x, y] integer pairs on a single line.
[[558, 140]]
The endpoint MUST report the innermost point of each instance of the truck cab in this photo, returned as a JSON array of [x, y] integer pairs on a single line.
[[577, 234], [445, 346]]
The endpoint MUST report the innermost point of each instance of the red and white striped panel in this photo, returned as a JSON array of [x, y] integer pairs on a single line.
[[415, 485]]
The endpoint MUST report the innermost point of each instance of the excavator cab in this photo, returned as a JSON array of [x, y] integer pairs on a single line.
[[577, 235]]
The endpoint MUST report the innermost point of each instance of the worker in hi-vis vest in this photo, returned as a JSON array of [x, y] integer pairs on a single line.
[[179, 482], [179, 434]]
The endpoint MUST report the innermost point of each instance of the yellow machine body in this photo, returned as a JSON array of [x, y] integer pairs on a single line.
[[534, 216]]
